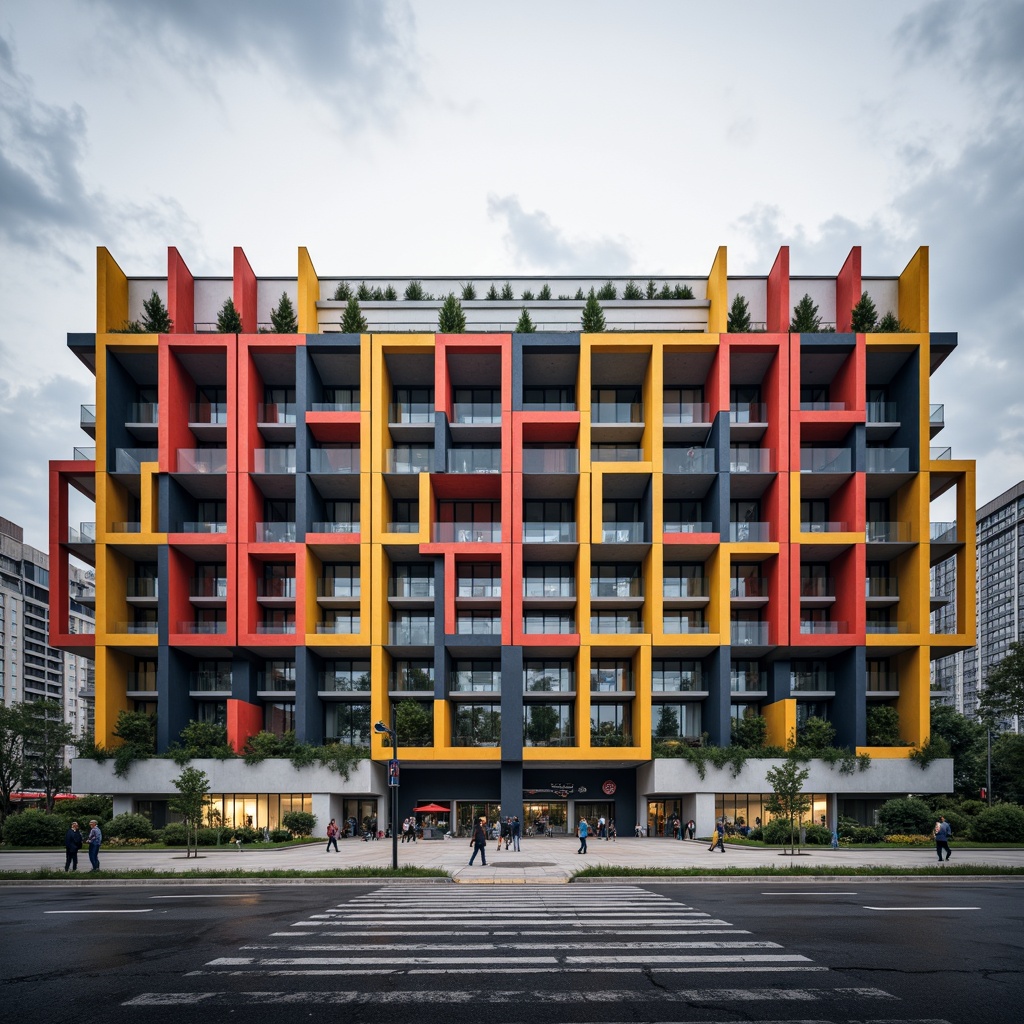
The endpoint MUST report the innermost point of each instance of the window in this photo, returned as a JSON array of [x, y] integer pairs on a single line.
[[477, 725], [549, 677], [611, 676], [676, 721], [548, 725], [348, 723], [611, 725]]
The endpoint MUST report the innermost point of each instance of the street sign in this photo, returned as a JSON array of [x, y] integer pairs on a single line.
[[393, 769]]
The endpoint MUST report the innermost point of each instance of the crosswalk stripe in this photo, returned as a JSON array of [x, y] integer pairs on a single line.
[[409, 947], [743, 970]]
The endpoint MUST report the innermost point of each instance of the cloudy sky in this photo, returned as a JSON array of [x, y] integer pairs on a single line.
[[467, 138]]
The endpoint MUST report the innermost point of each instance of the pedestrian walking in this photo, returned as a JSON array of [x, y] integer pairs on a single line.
[[332, 836], [72, 844], [943, 833], [581, 830], [95, 840], [691, 828], [373, 828], [479, 843], [835, 838], [517, 831], [718, 840], [600, 828], [612, 833]]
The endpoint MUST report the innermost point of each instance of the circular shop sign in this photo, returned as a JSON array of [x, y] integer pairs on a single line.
[[608, 788]]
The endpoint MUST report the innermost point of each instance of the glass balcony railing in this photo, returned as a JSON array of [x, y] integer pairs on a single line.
[[551, 460], [335, 527], [940, 454], [334, 460], [474, 587], [332, 682], [478, 625], [692, 683], [749, 532], [402, 528], [831, 526], [746, 682], [275, 533], [129, 460], [675, 587], [689, 460], [210, 682], [273, 460], [616, 412], [410, 413], [204, 628], [881, 586], [622, 533], [84, 454], [351, 405], [142, 586], [266, 684], [820, 627], [884, 628], [202, 460], [275, 628], [126, 526], [536, 587], [746, 634], [750, 460], [615, 624], [340, 587], [209, 586], [139, 682], [683, 413], [817, 586], [888, 460], [822, 406], [137, 628], [887, 533], [882, 412], [208, 413], [748, 586], [347, 625], [85, 534], [826, 460], [943, 533], [748, 412], [276, 413], [419, 633], [549, 533], [623, 587], [474, 460], [87, 417], [276, 588], [467, 533], [480, 413], [936, 417], [204, 527], [675, 625], [143, 413], [616, 453], [404, 586], [812, 682], [409, 460], [674, 526]]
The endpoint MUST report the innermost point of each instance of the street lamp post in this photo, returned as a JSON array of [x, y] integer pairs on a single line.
[[393, 779]]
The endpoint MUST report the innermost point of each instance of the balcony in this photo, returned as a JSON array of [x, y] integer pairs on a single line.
[[338, 682], [473, 587], [689, 460], [882, 412], [750, 460], [334, 460], [216, 627], [280, 589], [125, 526], [409, 460], [476, 413], [410, 587], [475, 682], [679, 588], [141, 685], [748, 588], [748, 683], [817, 588], [884, 685], [208, 414], [478, 625], [474, 460], [348, 625], [352, 405], [273, 460], [552, 741], [812, 682], [549, 533], [748, 412], [467, 533], [335, 527], [940, 454], [887, 533], [826, 460], [623, 533], [749, 634], [402, 528], [616, 412], [275, 414], [275, 628], [888, 460], [207, 683], [202, 460], [884, 628], [680, 625], [538, 588], [936, 419], [752, 532], [674, 526], [85, 534], [822, 526], [129, 460], [87, 420], [616, 453], [275, 533], [412, 634], [617, 588], [143, 414], [549, 624], [816, 627], [605, 683], [84, 454], [411, 413], [690, 683], [822, 406], [616, 624], [213, 588], [675, 414], [204, 527], [273, 686], [943, 533], [409, 682], [882, 588], [551, 460], [142, 590]]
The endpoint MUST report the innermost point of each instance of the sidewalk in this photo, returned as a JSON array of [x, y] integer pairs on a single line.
[[540, 859]]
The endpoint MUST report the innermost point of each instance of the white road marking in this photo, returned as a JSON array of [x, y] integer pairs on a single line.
[[808, 894], [922, 908], [148, 910], [209, 895], [478, 946], [743, 970]]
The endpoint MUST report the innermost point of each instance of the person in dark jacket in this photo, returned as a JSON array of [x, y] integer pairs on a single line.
[[72, 844], [479, 843]]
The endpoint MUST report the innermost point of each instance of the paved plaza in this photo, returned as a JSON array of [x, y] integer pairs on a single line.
[[539, 859]]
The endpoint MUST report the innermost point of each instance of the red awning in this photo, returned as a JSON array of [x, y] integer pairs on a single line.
[[431, 809]]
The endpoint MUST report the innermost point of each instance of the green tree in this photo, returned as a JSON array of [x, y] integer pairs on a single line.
[[787, 798], [14, 770], [1008, 767], [593, 315], [1003, 695], [668, 723], [883, 726], [468, 292], [451, 319], [542, 724], [353, 321], [47, 736], [363, 292], [343, 292], [607, 291], [202, 739], [652, 289], [193, 788], [414, 723], [739, 316], [805, 317], [750, 732], [965, 741], [155, 318], [544, 295], [414, 291], [299, 823], [863, 316], [525, 324], [632, 291], [817, 734], [492, 293], [527, 295], [282, 318], [682, 291], [228, 319], [890, 324], [137, 732], [507, 293]]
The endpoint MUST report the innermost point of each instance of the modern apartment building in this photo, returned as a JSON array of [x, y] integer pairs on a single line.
[[30, 669], [960, 678], [557, 555]]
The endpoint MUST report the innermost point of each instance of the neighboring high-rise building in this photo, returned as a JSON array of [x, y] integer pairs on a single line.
[[558, 556], [30, 669], [960, 678]]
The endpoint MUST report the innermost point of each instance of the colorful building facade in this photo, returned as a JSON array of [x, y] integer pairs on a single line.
[[556, 554]]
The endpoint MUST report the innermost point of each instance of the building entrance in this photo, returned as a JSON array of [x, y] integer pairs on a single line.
[[466, 814], [659, 816], [594, 812], [545, 818]]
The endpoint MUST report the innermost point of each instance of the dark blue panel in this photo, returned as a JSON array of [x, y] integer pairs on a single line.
[[511, 706], [849, 706], [716, 717], [309, 710]]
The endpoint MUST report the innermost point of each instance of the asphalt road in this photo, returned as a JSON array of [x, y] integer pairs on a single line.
[[814, 951]]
